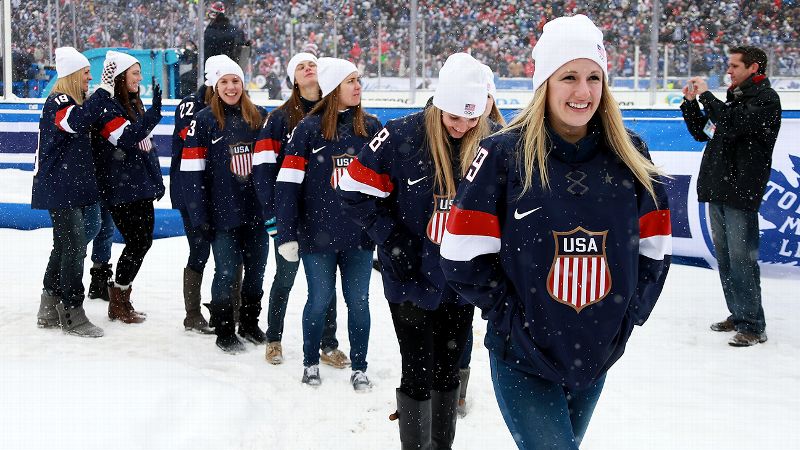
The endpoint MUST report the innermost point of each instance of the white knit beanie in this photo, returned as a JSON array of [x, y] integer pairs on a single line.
[[462, 88], [331, 72], [69, 61], [221, 67], [566, 39], [490, 80], [124, 61], [210, 67], [295, 61]]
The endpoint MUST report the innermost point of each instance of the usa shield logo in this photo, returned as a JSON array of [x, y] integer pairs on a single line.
[[241, 158], [579, 276], [340, 163], [441, 209]]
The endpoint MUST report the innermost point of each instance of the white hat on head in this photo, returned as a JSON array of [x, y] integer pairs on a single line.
[[331, 72], [462, 88], [566, 39], [69, 61], [210, 66], [124, 61], [295, 61], [490, 80], [221, 67]]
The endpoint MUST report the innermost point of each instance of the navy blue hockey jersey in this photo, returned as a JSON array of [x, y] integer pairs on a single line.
[[125, 157], [64, 174], [184, 113], [216, 171], [562, 274], [308, 209]]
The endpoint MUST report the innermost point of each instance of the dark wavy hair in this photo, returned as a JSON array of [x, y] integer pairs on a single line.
[[129, 100], [750, 56]]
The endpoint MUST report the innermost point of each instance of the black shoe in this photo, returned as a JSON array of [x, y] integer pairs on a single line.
[[98, 288], [746, 339], [724, 326], [252, 333], [230, 344]]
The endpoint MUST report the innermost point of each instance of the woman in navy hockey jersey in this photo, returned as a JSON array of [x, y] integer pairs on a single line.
[[302, 76], [220, 198], [400, 188], [199, 247], [64, 183], [128, 173], [560, 234], [311, 223]]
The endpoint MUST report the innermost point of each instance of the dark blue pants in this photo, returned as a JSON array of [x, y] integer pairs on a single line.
[[541, 414], [104, 237], [285, 274], [199, 247], [735, 235], [63, 276], [247, 245], [355, 267]]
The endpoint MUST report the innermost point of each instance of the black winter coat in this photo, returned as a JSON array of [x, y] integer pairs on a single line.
[[221, 37], [736, 161]]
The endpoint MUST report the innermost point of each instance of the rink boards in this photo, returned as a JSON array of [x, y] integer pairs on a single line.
[[670, 144]]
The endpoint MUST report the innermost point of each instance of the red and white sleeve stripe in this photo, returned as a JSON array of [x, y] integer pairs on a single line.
[[360, 178], [266, 152], [655, 234], [193, 159], [470, 234], [293, 169], [183, 133], [114, 129], [62, 119]]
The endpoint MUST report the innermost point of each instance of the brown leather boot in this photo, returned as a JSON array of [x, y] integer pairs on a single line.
[[119, 306]]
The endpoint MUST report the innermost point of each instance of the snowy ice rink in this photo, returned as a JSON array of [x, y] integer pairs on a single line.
[[155, 386]]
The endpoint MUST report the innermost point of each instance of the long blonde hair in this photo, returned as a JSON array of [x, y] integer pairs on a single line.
[[439, 145], [535, 146], [250, 113], [328, 107], [71, 85]]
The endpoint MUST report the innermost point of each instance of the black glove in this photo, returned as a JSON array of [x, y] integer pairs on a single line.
[[405, 254], [208, 232], [156, 94]]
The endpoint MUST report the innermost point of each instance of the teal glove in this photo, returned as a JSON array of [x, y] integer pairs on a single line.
[[272, 227]]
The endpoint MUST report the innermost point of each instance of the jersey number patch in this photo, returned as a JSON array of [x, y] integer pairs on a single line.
[[477, 163]]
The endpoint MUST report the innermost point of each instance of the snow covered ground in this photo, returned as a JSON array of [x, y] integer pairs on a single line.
[[155, 386]]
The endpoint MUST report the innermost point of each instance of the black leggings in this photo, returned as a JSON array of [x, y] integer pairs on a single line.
[[431, 344], [135, 222]]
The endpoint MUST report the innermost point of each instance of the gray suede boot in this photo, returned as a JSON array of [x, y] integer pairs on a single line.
[[75, 322], [194, 320], [47, 316], [443, 418], [415, 422]]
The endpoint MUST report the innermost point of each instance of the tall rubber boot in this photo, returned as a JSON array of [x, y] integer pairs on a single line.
[[224, 328], [415, 422], [98, 287], [248, 321], [443, 418], [236, 292], [463, 374], [194, 320], [48, 315]]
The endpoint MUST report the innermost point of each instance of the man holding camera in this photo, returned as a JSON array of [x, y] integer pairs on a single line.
[[741, 134]]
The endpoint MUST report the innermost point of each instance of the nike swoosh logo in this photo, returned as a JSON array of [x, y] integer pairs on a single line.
[[518, 216], [316, 150], [413, 182], [214, 141]]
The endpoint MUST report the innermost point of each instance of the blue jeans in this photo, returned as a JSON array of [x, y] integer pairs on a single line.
[[355, 267], [199, 247], [541, 414], [101, 246], [91, 221], [736, 235], [63, 276], [285, 274], [248, 245]]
